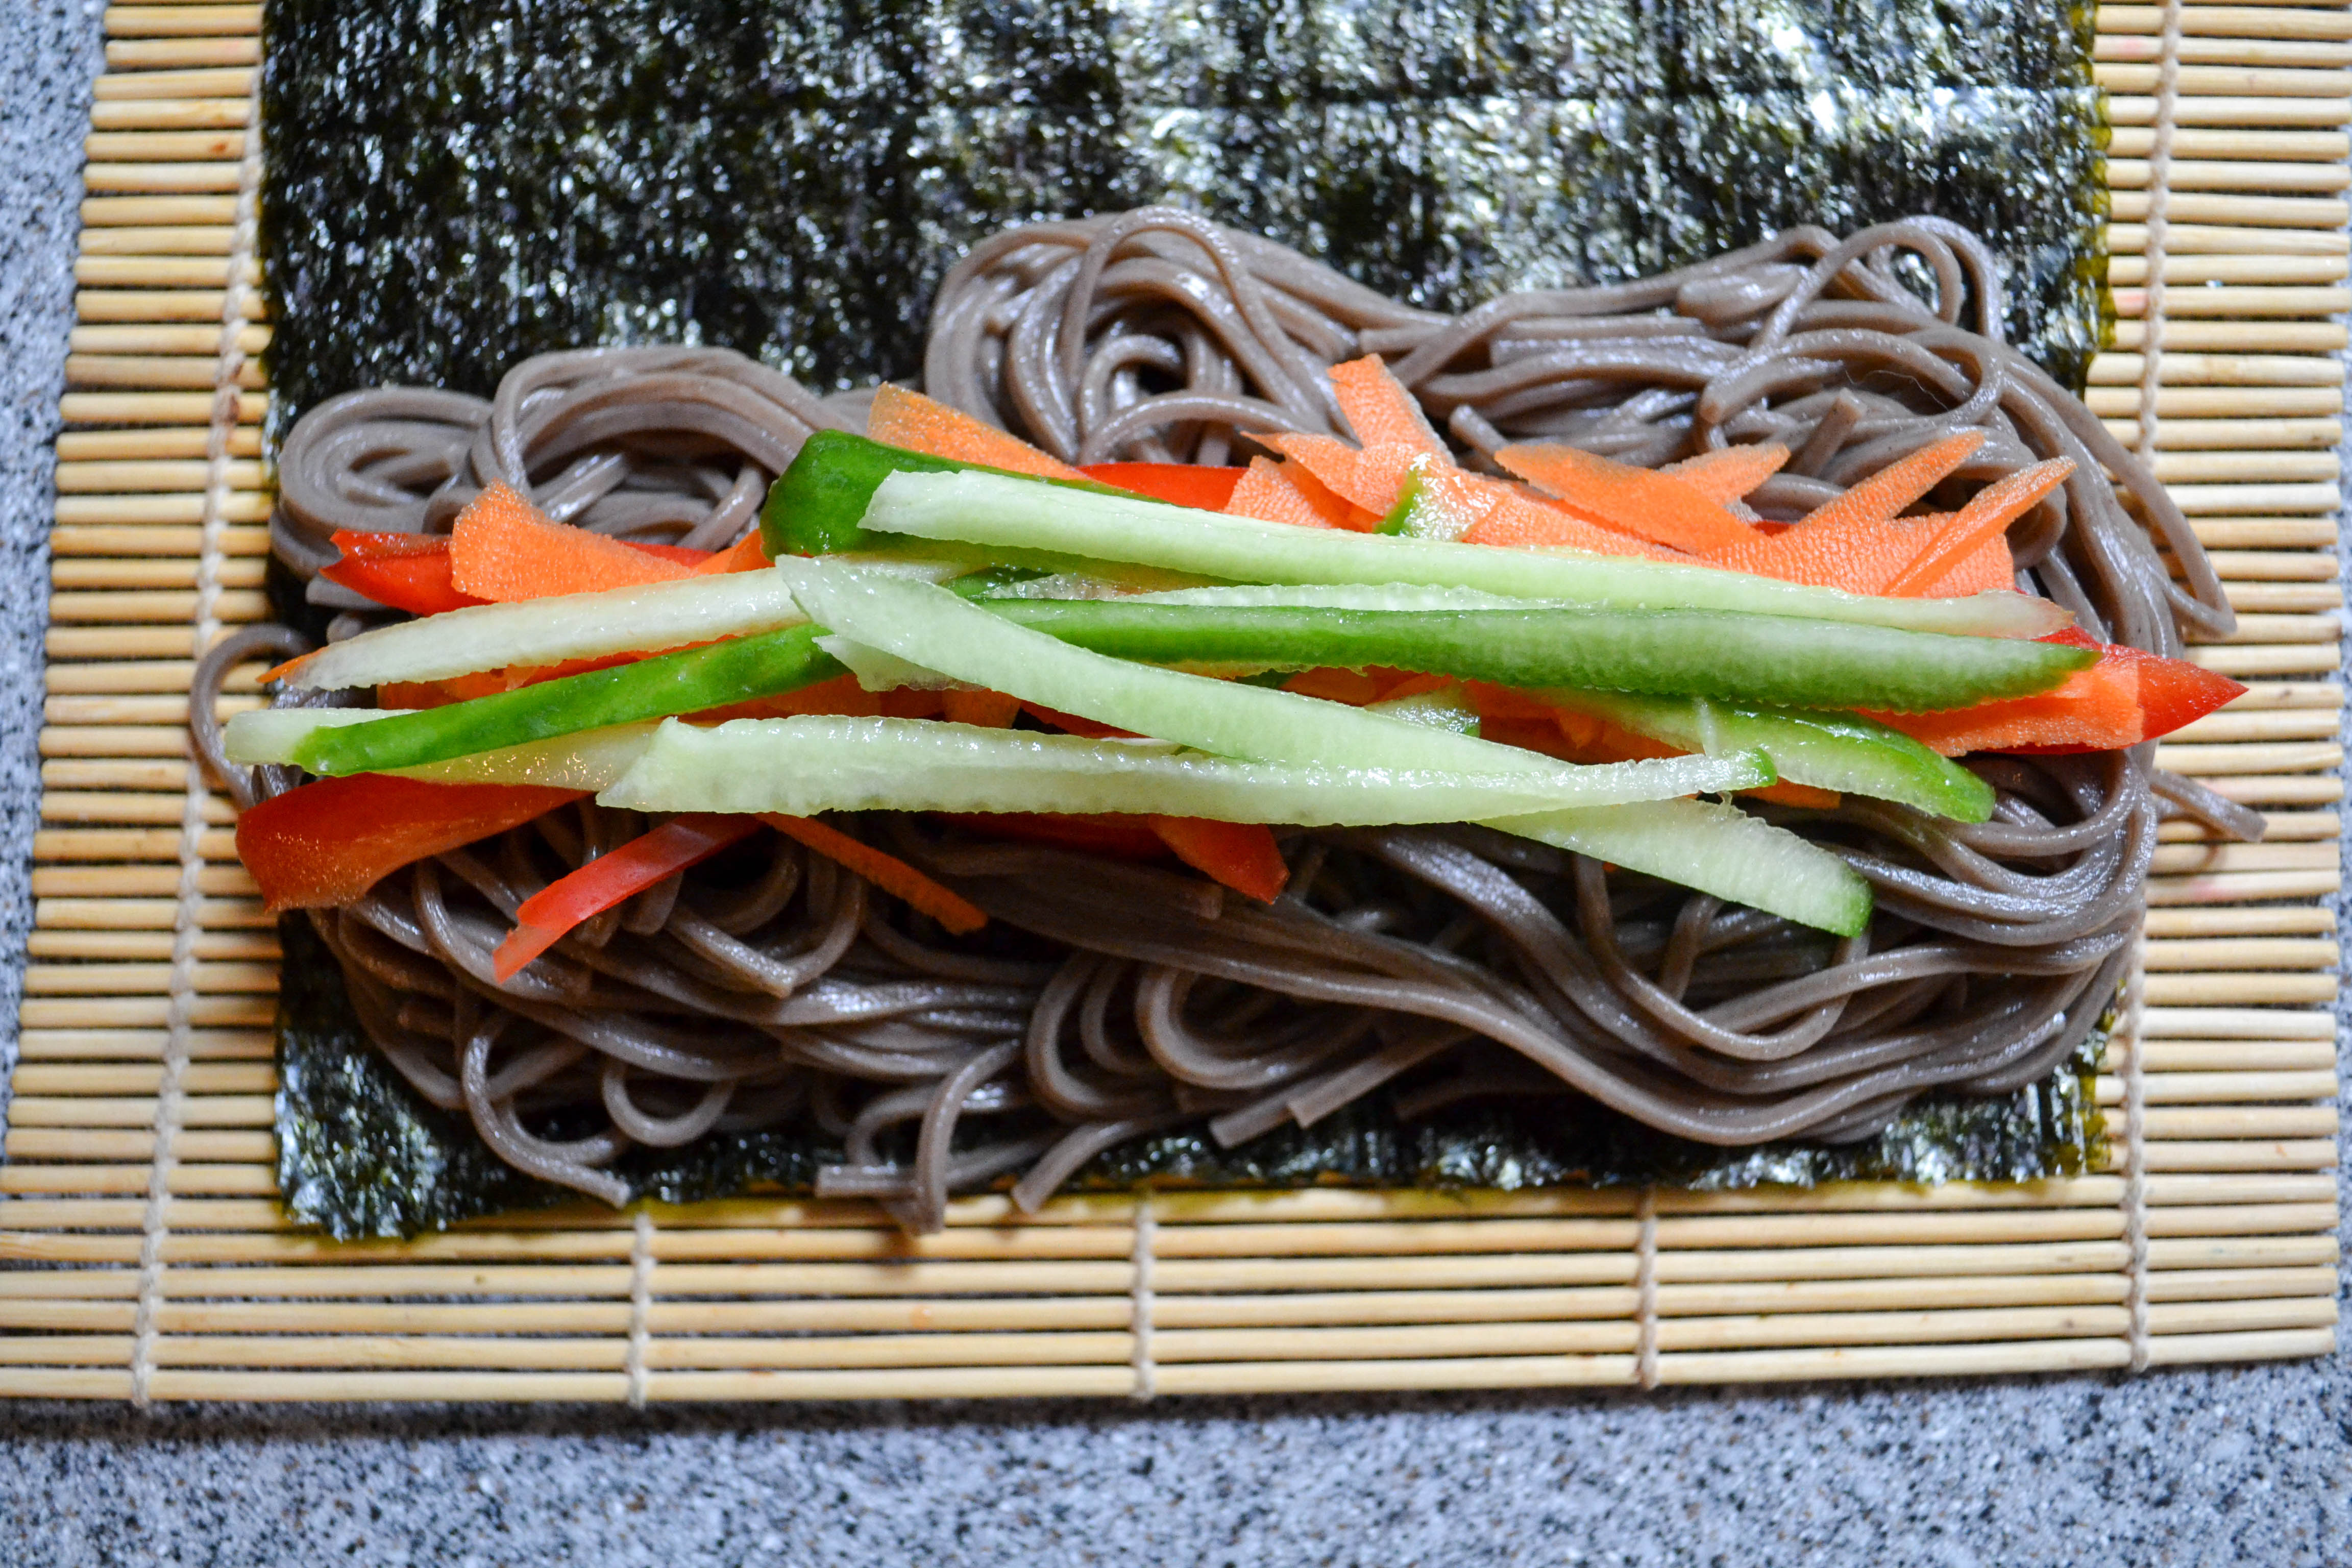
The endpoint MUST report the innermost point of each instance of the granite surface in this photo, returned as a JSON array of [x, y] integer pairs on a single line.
[[2249, 1464]]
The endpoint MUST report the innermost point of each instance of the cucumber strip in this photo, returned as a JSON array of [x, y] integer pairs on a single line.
[[570, 625], [1776, 660], [805, 765], [683, 682], [1717, 849], [1320, 597], [1732, 855], [272, 735], [589, 759], [1830, 751], [1011, 513], [932, 628]]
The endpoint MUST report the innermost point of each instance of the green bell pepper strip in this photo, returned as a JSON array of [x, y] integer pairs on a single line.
[[816, 506], [683, 682], [1009, 513], [1829, 751], [1776, 660]]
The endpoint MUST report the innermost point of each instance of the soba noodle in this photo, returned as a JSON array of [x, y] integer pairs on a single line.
[[1109, 999]]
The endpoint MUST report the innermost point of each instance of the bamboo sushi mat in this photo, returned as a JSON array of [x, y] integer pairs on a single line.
[[143, 1254]]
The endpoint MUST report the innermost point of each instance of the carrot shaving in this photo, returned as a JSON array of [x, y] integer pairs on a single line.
[[1242, 855], [504, 549], [1368, 479], [887, 872], [1650, 505], [1267, 493], [1864, 555], [748, 553], [1727, 473], [1887, 492], [1987, 516], [1382, 410], [990, 710], [919, 424], [2096, 709], [1521, 524]]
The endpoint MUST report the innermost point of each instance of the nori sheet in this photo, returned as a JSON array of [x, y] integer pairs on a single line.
[[454, 185], [361, 1154]]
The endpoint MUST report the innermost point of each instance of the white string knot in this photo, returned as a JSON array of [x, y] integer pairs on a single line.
[[1646, 1290], [1139, 1313]]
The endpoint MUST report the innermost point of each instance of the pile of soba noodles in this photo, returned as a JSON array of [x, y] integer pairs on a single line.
[[1107, 998]]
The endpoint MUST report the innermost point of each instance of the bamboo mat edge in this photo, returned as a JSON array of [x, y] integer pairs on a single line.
[[143, 1255]]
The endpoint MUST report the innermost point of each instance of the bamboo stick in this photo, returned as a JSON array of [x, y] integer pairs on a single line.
[[2244, 565], [2244, 953], [167, 113], [258, 946], [2275, 660], [211, 81], [2231, 403], [135, 212], [162, 272], [2238, 337], [2216, 174], [2282, 828], [2220, 370], [2282, 756], [147, 148], [2268, 919], [2265, 532], [2293, 725], [136, 605], [2252, 53], [2186, 1350], [196, 1144], [138, 305], [146, 339], [2231, 888], [121, 475], [2233, 1023], [2174, 859], [2271, 470], [115, 510], [132, 1012], [2228, 21], [149, 914], [158, 179], [2280, 989], [2212, 80], [153, 370], [2234, 143], [2136, 110], [153, 407], [2248, 436], [2242, 1154], [2234, 300], [182, 54], [182, 21], [203, 1045], [169, 441], [2236, 1082], [207, 239]]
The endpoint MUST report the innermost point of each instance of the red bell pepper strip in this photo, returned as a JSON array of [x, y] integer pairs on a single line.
[[2129, 696], [406, 571], [1242, 855], [327, 843], [1181, 484], [613, 878]]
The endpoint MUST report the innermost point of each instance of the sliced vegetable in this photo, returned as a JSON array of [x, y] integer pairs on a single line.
[[1862, 556], [1986, 517], [2128, 697], [1828, 751], [613, 878], [1003, 513], [1366, 478], [1772, 659], [931, 628], [1242, 855], [1517, 524], [1897, 484], [504, 549], [807, 766], [1658, 506], [327, 843], [549, 631], [585, 762], [1717, 849], [1179, 484], [815, 506], [683, 682], [1727, 473], [1267, 492], [748, 553], [404, 571], [920, 423], [1380, 409], [888, 872]]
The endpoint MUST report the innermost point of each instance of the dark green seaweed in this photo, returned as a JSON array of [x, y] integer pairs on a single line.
[[361, 1155], [456, 185]]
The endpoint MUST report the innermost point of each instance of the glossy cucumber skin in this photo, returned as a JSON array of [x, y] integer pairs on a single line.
[[816, 506], [1778, 660], [683, 682]]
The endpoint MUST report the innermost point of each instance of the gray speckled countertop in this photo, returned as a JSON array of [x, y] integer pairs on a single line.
[[2249, 1464]]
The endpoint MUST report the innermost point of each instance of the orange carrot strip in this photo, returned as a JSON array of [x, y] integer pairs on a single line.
[[1727, 473], [887, 872], [919, 424], [2096, 710], [748, 553], [1897, 484], [504, 549], [1242, 855], [1987, 514], [1380, 409], [1653, 506], [990, 710], [1266, 493], [1522, 524], [1366, 479]]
